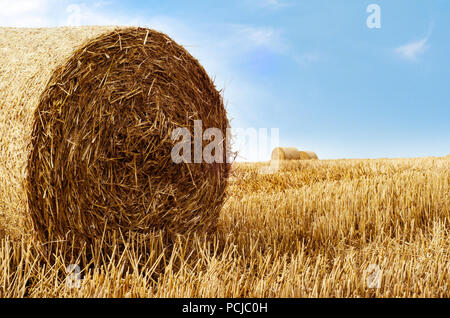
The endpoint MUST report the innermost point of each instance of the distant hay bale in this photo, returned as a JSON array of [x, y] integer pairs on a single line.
[[86, 116], [280, 154], [311, 155], [288, 154]]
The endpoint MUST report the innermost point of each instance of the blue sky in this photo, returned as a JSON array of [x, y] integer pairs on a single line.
[[313, 69]]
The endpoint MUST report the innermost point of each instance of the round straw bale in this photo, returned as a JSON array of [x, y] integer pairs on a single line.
[[289, 153], [86, 117], [311, 155]]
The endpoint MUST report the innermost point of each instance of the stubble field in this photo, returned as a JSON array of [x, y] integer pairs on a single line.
[[331, 228]]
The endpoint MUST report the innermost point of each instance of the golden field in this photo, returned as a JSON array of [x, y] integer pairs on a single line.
[[312, 229]]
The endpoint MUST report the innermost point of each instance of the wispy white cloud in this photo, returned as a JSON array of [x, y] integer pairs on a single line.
[[48, 13], [79, 14], [24, 13], [413, 50], [13, 8], [247, 37], [308, 58]]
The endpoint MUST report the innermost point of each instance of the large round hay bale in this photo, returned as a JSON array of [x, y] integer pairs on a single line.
[[86, 116]]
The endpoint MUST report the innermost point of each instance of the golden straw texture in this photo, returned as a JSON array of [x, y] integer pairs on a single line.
[[86, 116]]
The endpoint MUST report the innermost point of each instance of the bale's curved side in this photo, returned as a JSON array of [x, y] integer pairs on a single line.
[[286, 153], [290, 153], [28, 57], [88, 128], [311, 155]]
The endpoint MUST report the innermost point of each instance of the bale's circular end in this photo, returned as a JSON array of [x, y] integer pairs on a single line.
[[101, 146]]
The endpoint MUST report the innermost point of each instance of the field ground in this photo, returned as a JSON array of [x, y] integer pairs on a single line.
[[312, 229]]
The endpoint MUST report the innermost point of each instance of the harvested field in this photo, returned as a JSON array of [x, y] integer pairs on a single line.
[[312, 229]]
